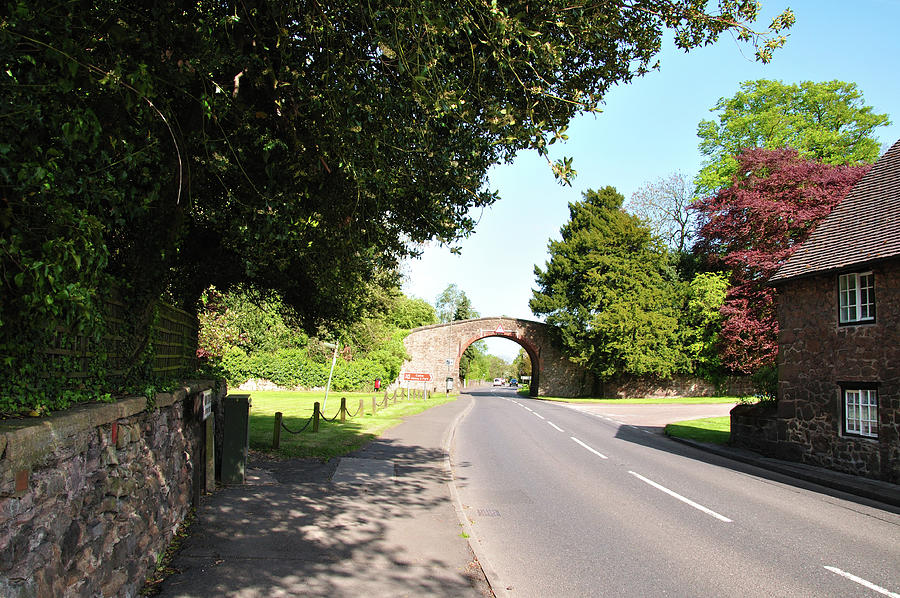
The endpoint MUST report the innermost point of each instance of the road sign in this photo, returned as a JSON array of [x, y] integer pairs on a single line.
[[417, 377], [500, 329]]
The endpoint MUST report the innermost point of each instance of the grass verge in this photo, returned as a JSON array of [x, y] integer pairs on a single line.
[[649, 400], [708, 429], [333, 438]]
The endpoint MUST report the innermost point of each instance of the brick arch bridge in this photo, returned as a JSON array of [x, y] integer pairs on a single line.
[[436, 350]]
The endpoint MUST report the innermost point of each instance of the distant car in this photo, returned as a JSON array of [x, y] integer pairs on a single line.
[[498, 381], [513, 382]]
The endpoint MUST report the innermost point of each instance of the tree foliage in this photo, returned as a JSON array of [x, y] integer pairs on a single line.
[[453, 304], [292, 146], [751, 227], [609, 288], [827, 121], [664, 204]]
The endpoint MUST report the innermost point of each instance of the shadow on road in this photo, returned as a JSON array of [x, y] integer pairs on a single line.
[[656, 441]]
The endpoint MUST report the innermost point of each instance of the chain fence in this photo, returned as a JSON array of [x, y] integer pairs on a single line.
[[343, 413]]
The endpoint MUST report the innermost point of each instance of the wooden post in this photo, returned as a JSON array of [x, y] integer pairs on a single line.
[[360, 410], [374, 405], [276, 434], [343, 409], [316, 413]]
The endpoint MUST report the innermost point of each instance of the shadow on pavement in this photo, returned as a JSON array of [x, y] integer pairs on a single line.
[[301, 534]]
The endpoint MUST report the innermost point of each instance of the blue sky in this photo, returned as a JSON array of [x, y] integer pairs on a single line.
[[648, 129]]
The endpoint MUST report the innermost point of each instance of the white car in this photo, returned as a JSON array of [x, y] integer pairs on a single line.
[[498, 381]]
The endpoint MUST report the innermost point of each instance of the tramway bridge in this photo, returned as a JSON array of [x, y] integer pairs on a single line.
[[436, 350]]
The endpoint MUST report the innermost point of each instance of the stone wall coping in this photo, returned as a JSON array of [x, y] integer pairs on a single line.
[[25, 443], [487, 319]]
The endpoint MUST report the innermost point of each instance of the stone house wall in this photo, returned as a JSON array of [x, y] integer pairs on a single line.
[[91, 495], [816, 355]]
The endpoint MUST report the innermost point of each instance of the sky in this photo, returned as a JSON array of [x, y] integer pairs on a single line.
[[648, 129]]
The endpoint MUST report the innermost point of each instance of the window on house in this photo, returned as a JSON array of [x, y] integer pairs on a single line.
[[861, 412], [856, 293]]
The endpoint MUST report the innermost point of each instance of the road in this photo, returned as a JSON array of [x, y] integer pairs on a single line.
[[570, 502]]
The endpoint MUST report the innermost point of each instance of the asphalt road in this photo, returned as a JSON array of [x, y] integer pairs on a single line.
[[570, 502]]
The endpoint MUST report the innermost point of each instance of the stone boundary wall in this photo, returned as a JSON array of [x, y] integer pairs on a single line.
[[755, 427], [90, 496], [678, 386]]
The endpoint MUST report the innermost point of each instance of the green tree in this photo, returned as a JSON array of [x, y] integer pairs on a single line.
[[522, 364], [828, 122], [286, 146], [610, 290], [409, 313], [703, 322], [453, 304]]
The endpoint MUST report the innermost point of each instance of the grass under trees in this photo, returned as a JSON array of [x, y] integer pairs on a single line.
[[333, 438], [708, 429]]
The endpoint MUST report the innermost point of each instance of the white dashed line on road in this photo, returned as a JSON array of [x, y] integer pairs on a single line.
[[555, 426], [599, 454], [863, 582], [539, 415], [687, 501]]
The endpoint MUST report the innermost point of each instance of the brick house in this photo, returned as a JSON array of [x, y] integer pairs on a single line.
[[839, 340]]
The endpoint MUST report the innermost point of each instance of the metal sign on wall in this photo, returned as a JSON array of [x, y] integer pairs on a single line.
[[416, 377]]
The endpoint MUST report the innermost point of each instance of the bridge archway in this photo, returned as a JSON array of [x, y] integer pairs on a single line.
[[436, 350]]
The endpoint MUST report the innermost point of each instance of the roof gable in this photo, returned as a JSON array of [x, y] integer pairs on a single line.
[[863, 228]]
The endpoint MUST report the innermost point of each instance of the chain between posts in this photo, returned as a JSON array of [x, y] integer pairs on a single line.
[[343, 413]]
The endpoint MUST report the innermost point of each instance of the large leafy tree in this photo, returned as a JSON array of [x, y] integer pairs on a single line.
[[828, 121], [610, 290], [291, 146], [751, 227]]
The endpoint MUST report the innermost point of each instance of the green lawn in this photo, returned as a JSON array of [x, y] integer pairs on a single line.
[[333, 438], [649, 400], [709, 429]]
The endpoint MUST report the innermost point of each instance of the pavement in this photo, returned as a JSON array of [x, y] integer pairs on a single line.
[[383, 521], [380, 522]]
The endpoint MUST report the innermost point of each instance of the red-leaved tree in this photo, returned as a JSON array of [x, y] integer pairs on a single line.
[[752, 227]]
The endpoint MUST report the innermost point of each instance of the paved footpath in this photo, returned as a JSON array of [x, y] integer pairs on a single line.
[[380, 522]]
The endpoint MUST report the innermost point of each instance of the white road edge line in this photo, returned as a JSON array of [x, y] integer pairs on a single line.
[[539, 415], [863, 582], [601, 455], [688, 501], [555, 426]]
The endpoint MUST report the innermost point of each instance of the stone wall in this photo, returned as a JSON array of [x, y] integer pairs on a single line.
[[90, 496], [755, 427], [677, 386], [816, 355]]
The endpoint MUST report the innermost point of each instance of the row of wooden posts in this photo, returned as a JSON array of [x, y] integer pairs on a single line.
[[344, 413]]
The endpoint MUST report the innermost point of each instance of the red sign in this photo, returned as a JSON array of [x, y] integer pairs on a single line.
[[417, 377]]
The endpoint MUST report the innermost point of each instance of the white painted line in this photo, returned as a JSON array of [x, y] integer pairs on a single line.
[[863, 582], [539, 415], [529, 408], [555, 426], [601, 455], [681, 498]]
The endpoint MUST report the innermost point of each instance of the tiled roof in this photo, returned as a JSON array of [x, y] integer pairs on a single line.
[[863, 228]]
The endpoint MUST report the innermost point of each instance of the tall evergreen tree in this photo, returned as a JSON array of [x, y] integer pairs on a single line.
[[610, 290]]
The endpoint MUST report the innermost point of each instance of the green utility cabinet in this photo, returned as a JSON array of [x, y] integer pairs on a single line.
[[236, 438]]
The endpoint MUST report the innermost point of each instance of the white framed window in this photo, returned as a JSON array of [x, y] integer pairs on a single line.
[[856, 297], [860, 411]]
